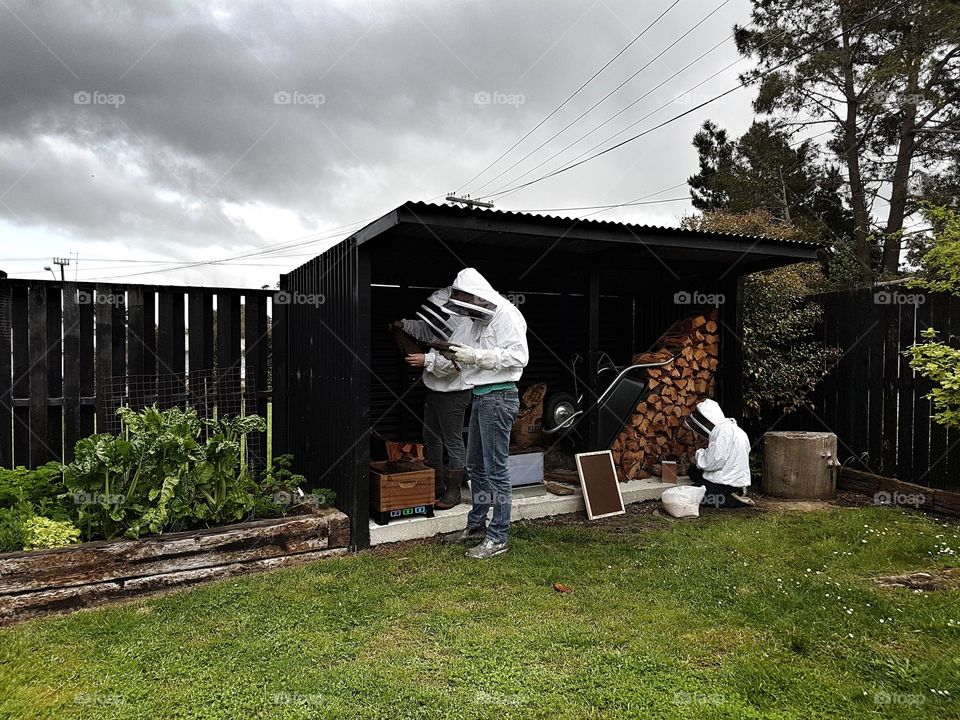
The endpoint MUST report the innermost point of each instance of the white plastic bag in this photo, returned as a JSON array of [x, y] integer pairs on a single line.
[[683, 501]]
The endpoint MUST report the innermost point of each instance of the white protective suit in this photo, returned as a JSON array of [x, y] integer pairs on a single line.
[[439, 373], [500, 342], [726, 459]]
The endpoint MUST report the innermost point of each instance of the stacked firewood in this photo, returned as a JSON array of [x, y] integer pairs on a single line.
[[656, 432]]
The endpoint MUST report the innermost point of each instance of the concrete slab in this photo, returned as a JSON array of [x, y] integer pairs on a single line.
[[525, 507]]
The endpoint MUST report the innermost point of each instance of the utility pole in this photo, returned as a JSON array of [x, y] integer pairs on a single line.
[[467, 202], [61, 262]]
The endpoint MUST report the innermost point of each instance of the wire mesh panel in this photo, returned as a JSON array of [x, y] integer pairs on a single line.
[[210, 394]]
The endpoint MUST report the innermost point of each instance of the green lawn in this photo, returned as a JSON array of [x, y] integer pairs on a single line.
[[743, 615]]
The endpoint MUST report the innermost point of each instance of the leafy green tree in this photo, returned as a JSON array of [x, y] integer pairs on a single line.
[[889, 87], [711, 187], [763, 170]]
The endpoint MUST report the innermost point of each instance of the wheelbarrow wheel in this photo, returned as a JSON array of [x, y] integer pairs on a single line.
[[557, 408]]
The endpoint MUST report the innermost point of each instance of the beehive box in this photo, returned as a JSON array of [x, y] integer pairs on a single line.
[[396, 491]]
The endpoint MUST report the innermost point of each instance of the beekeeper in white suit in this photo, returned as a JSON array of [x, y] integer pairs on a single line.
[[447, 397], [723, 467], [492, 355]]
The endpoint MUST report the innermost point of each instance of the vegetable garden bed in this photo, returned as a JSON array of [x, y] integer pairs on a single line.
[[59, 579]]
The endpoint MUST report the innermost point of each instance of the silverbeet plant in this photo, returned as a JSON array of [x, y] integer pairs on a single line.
[[158, 475]]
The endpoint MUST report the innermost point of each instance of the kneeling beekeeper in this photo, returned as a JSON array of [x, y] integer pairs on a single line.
[[723, 467], [446, 399], [492, 355]]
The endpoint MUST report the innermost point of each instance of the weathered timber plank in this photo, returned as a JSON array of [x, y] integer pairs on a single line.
[[119, 561], [15, 608]]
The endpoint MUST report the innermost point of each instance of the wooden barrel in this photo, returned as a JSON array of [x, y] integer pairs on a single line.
[[800, 465]]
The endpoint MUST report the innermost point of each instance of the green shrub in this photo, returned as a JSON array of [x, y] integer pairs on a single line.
[[940, 363], [41, 532], [324, 497], [12, 520], [278, 488], [938, 358], [21, 484]]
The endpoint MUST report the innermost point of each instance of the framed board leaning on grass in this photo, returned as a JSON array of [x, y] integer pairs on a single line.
[[601, 488]]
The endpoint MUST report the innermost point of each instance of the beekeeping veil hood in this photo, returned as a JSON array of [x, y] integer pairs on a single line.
[[472, 296], [437, 318], [704, 418]]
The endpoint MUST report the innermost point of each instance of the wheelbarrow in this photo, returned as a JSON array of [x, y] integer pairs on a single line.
[[621, 389]]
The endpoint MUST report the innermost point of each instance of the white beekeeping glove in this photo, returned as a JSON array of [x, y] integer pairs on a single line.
[[483, 359]]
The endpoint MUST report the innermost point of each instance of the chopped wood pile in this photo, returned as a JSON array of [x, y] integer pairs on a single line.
[[655, 431]]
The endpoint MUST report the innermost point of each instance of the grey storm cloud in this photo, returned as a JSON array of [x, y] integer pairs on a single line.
[[137, 121]]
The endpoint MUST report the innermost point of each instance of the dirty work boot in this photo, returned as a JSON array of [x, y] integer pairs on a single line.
[[438, 480], [451, 496], [457, 477]]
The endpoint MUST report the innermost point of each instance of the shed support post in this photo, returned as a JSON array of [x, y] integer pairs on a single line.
[[730, 375], [593, 354], [404, 370], [279, 357], [360, 501]]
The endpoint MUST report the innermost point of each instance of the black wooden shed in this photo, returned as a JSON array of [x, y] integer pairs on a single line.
[[586, 286]]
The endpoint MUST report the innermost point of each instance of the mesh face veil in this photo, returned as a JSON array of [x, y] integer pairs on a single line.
[[469, 305], [436, 318], [698, 423]]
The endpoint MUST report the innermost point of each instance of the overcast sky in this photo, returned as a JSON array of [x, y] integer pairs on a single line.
[[179, 132]]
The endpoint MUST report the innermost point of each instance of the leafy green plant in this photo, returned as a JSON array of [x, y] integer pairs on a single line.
[[12, 520], [940, 363], [324, 497], [228, 490], [278, 487], [938, 256], [21, 484], [160, 475], [936, 358], [41, 532]]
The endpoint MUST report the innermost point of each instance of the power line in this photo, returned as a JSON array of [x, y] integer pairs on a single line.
[[630, 105], [570, 97], [251, 253], [715, 172], [640, 120], [711, 100], [610, 207], [598, 102]]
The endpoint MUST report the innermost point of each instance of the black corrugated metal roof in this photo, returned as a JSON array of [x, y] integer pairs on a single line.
[[629, 230]]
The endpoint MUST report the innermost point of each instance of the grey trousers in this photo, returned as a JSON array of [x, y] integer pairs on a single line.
[[443, 414]]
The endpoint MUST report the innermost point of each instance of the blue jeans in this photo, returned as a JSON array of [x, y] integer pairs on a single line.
[[488, 446]]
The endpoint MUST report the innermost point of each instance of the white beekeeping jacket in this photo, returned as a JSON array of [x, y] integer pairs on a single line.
[[501, 339], [726, 459]]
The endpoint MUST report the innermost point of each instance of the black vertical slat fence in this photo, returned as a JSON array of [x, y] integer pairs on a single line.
[[871, 398], [72, 353], [20, 355], [953, 435], [71, 368], [6, 376]]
